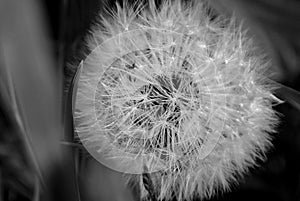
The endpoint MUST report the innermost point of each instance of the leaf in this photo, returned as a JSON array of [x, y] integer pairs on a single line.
[[35, 85], [290, 95]]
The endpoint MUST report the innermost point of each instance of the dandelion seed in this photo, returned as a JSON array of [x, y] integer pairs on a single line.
[[179, 93]]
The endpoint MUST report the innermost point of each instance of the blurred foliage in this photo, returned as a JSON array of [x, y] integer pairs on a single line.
[[35, 114]]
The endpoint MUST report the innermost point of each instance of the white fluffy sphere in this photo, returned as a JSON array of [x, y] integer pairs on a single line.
[[175, 92]]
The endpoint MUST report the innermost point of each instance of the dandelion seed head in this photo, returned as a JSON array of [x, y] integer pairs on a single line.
[[177, 91]]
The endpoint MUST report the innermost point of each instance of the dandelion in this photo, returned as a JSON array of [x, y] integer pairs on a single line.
[[176, 93]]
